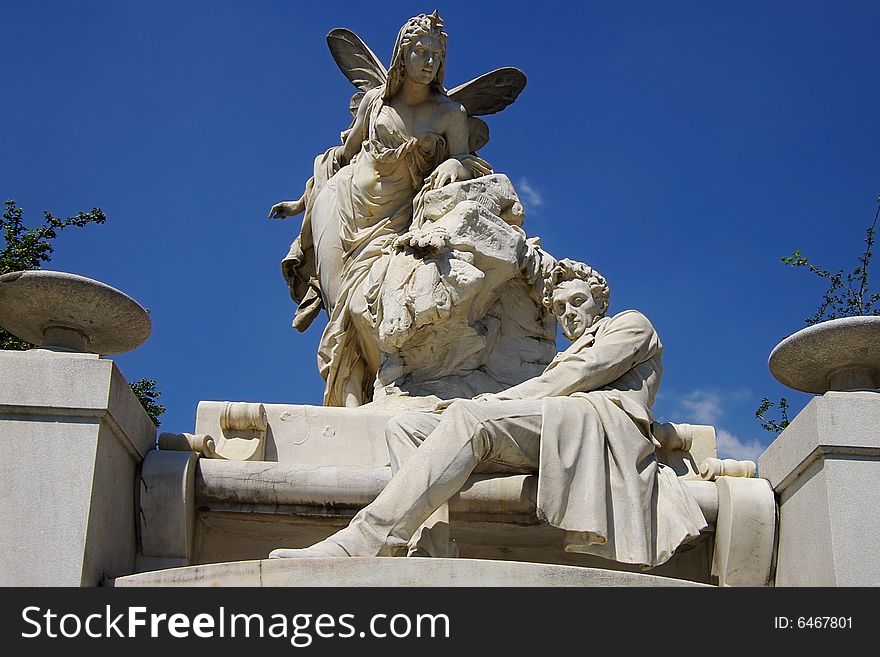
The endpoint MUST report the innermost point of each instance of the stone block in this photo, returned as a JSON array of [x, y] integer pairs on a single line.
[[73, 435], [371, 572], [744, 532], [824, 470], [167, 504], [313, 435]]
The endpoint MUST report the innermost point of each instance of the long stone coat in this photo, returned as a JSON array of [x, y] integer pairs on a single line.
[[599, 478]]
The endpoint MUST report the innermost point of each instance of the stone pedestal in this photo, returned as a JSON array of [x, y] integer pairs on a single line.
[[825, 469], [323, 464], [72, 435], [383, 572]]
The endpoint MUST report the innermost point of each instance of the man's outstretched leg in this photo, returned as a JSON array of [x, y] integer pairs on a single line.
[[468, 432], [403, 435]]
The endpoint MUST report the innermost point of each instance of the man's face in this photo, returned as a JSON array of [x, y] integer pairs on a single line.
[[574, 307]]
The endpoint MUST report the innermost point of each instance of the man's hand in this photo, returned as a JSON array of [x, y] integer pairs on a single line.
[[443, 404]]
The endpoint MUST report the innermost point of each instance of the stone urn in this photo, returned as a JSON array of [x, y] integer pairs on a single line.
[[63, 312], [839, 355]]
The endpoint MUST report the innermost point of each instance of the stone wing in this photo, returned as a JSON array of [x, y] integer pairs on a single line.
[[355, 59], [491, 92]]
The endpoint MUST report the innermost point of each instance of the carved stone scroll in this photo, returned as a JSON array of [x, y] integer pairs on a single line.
[[243, 435]]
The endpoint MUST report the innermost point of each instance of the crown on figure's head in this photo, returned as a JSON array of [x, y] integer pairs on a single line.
[[428, 23]]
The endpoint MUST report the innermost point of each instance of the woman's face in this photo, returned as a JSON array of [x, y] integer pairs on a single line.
[[423, 59]]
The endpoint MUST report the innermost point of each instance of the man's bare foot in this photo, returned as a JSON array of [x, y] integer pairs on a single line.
[[318, 550]]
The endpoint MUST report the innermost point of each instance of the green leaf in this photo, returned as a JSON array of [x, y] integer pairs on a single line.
[[147, 393]]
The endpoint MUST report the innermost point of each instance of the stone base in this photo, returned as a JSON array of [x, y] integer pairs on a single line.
[[388, 571], [824, 469], [322, 464], [72, 436]]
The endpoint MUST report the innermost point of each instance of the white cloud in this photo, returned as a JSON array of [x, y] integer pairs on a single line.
[[701, 407], [731, 447], [530, 195], [706, 407]]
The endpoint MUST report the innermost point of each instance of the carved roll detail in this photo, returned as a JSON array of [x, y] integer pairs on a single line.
[[712, 468], [205, 445], [241, 416], [674, 437], [187, 442]]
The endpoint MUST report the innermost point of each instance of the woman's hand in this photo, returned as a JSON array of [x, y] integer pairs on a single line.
[[449, 172], [431, 238], [287, 209]]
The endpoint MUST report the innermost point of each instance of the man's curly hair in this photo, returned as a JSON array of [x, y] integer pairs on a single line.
[[569, 270]]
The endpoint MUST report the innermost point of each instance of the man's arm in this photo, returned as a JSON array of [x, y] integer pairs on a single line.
[[629, 339]]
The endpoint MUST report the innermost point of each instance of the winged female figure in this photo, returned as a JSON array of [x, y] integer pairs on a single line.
[[409, 135]]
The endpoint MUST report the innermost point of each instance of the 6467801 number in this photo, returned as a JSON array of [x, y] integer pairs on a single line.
[[813, 622]]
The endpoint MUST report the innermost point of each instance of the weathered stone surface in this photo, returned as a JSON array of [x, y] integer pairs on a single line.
[[364, 572], [835, 423], [70, 312], [312, 435], [397, 241], [495, 193], [415, 248], [166, 509], [459, 312], [72, 434], [840, 354], [342, 490], [333, 461], [745, 532], [824, 469], [591, 406]]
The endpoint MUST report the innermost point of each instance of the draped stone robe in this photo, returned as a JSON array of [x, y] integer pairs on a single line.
[[599, 478]]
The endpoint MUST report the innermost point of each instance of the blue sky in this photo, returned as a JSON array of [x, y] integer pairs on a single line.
[[680, 148]]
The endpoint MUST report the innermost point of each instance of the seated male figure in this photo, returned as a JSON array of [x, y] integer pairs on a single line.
[[584, 426]]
